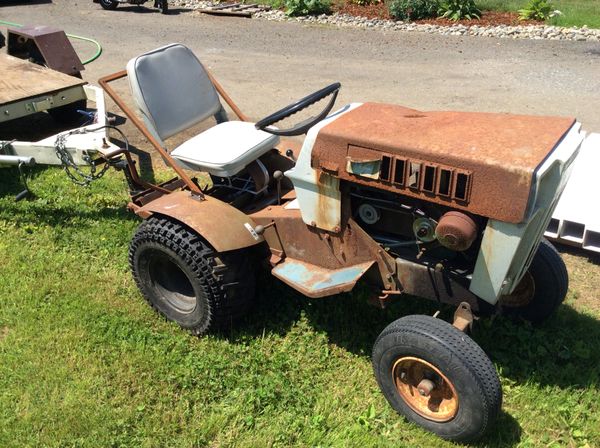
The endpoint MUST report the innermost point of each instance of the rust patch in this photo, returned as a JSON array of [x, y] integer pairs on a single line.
[[430, 283], [491, 157], [350, 246], [327, 203]]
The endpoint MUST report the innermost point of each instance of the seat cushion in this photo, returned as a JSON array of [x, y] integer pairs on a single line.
[[225, 149], [172, 89]]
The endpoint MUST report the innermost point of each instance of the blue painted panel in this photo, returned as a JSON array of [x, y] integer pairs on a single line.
[[314, 279]]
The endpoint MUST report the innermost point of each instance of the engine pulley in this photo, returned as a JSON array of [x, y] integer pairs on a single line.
[[368, 213], [424, 229]]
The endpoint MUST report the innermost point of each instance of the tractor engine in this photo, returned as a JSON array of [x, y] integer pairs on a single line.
[[413, 228], [472, 191]]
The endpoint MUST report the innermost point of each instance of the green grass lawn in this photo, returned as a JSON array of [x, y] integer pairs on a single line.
[[575, 12], [84, 362]]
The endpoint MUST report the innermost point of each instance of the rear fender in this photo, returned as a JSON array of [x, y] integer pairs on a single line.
[[224, 227]]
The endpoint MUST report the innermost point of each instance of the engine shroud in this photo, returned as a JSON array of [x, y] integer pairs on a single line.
[[483, 163]]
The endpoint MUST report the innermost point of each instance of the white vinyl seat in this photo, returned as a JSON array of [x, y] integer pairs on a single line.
[[173, 92], [238, 143]]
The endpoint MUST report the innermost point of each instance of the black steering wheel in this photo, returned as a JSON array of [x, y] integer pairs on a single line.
[[288, 111]]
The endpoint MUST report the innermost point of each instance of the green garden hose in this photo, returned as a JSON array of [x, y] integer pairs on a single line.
[[72, 36]]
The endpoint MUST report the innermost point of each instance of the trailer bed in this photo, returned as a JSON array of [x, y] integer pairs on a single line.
[[27, 88]]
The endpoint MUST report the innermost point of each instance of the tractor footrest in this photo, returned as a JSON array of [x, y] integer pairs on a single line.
[[314, 281]]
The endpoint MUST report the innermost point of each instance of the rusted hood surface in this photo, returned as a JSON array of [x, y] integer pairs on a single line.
[[487, 159]]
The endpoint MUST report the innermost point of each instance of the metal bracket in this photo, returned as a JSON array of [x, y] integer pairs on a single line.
[[382, 300], [463, 317], [41, 105]]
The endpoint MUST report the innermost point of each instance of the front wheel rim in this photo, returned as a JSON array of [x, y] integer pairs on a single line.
[[425, 389], [522, 294]]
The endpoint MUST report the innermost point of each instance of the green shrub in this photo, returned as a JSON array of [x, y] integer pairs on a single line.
[[413, 9], [459, 9], [275, 4], [538, 10], [307, 7]]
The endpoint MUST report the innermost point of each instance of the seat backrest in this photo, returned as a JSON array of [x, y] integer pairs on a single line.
[[172, 90]]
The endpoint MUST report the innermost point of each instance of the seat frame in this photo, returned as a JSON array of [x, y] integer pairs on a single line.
[[138, 123]]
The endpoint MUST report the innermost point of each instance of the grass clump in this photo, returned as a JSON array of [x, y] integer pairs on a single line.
[[573, 12]]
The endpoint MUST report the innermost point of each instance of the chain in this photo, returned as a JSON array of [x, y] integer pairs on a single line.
[[5, 144], [77, 176]]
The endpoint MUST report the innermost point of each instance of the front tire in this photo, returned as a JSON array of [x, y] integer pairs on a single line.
[[437, 377], [541, 290], [185, 280], [109, 4]]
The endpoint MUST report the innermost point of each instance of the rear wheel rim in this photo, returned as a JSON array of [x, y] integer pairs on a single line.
[[171, 282], [410, 374]]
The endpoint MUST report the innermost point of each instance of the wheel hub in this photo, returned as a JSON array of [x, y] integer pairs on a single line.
[[522, 294], [425, 389]]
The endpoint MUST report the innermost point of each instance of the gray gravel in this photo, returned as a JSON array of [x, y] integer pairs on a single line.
[[501, 31]]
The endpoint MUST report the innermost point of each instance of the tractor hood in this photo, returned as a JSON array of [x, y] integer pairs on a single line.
[[483, 163]]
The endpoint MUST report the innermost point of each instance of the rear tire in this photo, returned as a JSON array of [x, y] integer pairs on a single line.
[[545, 283], [185, 280], [109, 4], [466, 397]]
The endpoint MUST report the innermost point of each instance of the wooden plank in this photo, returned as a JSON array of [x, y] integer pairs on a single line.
[[235, 9], [223, 6], [21, 79], [242, 7], [226, 12]]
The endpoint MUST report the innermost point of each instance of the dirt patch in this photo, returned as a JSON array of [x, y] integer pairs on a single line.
[[3, 332]]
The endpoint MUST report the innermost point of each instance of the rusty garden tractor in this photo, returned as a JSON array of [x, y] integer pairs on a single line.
[[449, 206]]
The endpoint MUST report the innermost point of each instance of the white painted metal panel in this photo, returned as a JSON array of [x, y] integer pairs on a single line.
[[318, 194], [576, 220]]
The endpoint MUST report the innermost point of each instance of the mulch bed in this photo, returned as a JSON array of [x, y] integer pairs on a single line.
[[380, 11], [373, 11], [488, 18]]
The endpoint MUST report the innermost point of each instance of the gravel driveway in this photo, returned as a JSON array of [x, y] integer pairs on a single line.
[[265, 65]]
